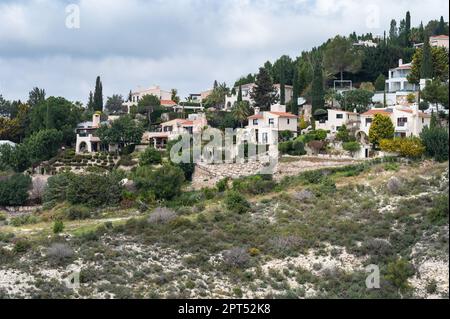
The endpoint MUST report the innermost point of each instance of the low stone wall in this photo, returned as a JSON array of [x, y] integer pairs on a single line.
[[209, 175]]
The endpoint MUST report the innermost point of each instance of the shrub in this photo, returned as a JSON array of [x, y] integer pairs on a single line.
[[162, 215], [398, 272], [165, 182], [435, 140], [57, 185], [298, 148], [395, 186], [236, 258], [440, 211], [303, 195], [14, 190], [285, 147], [95, 190], [351, 147], [24, 220], [21, 246], [381, 128], [255, 185], [222, 185], [77, 213], [59, 252], [342, 134], [236, 203], [407, 147], [58, 227], [150, 156]]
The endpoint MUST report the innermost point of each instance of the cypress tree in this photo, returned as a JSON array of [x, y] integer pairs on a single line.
[[441, 27], [295, 92], [239, 97], [90, 105], [98, 95], [408, 28], [317, 91], [130, 96], [282, 88], [426, 67]]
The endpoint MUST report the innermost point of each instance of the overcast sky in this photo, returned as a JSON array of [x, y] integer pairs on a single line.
[[183, 44]]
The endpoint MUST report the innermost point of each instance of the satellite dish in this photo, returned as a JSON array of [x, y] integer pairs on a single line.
[[301, 101]]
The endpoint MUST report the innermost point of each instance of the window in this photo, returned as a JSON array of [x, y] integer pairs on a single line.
[[265, 138], [339, 116], [255, 122], [402, 121], [423, 120], [271, 121], [368, 121], [288, 121]]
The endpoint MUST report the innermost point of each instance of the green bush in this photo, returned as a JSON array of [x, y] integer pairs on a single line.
[[222, 185], [95, 190], [21, 246], [77, 213], [14, 190], [56, 190], [398, 272], [150, 156], [23, 220], [351, 147], [255, 185], [435, 140], [439, 213], [236, 203], [58, 227], [165, 182]]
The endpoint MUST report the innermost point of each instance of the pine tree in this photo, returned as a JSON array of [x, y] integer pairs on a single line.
[[264, 94], [239, 97], [98, 95], [426, 67], [317, 91]]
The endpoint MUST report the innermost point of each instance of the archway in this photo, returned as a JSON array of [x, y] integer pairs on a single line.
[[82, 147]]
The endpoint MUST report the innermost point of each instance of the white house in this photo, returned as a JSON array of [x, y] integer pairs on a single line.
[[397, 86], [263, 127], [246, 91], [164, 96], [337, 119], [5, 142], [440, 41], [171, 130], [368, 43], [87, 139], [408, 121]]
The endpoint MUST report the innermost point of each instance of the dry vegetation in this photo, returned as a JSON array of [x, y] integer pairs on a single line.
[[307, 236]]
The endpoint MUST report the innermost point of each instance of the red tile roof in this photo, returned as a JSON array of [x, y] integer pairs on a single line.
[[373, 112], [421, 114], [255, 117], [168, 103], [442, 36]]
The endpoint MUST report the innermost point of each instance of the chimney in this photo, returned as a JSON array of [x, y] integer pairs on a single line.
[[257, 110], [96, 120], [400, 62]]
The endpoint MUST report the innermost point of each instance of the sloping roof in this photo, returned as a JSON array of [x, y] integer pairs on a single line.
[[178, 121], [421, 114], [284, 114], [404, 67], [256, 116], [168, 103], [374, 112], [442, 36]]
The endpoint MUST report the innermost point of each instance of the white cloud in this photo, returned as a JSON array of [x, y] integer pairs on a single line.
[[180, 43]]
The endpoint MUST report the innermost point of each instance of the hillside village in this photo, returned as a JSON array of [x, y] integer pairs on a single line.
[[356, 130]]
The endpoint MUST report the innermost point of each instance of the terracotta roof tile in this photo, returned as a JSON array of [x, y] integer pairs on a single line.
[[256, 116], [373, 112]]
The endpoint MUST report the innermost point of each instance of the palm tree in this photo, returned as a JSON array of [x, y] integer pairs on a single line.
[[241, 111]]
